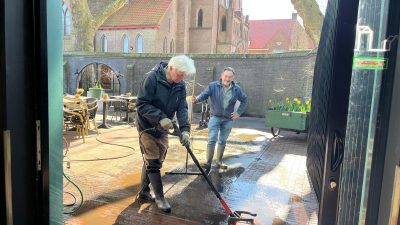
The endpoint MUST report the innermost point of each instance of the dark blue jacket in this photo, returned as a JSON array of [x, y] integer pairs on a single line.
[[157, 99], [215, 90]]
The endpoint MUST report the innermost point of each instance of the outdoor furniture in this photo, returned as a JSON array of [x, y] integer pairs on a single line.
[[75, 119], [105, 110], [131, 115], [76, 114], [128, 100], [92, 107], [119, 107]]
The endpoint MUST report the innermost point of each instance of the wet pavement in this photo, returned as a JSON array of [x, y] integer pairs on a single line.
[[266, 176]]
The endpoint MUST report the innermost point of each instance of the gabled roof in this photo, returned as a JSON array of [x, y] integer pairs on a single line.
[[138, 14], [262, 32]]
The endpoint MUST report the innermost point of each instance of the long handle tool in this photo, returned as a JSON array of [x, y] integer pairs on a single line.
[[235, 216]]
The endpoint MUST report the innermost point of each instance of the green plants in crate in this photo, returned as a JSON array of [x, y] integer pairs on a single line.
[[292, 115]]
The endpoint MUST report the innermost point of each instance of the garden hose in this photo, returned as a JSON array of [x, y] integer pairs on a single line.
[[73, 196], [66, 145]]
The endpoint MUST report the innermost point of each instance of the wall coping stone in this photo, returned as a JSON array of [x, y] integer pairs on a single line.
[[194, 56]]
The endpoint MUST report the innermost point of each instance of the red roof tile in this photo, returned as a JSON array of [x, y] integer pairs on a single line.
[[138, 14], [262, 32]]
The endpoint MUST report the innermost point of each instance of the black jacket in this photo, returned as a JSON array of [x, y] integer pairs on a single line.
[[157, 99]]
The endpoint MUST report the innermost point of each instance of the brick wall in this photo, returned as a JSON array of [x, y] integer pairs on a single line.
[[262, 77]]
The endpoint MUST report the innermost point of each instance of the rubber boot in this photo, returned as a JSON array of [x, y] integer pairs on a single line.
[[156, 182], [144, 193], [220, 153], [209, 157]]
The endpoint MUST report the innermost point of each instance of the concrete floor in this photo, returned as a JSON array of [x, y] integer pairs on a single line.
[[266, 176]]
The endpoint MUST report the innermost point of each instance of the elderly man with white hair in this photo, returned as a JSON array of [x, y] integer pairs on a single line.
[[161, 95]]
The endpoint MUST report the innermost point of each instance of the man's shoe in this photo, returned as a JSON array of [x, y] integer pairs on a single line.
[[221, 165]]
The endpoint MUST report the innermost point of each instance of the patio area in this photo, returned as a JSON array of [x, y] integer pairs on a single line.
[[266, 176]]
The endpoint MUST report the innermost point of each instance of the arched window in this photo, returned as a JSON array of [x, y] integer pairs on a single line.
[[171, 46], [228, 3], [125, 44], [139, 44], [66, 19], [165, 47], [104, 44], [200, 18], [223, 24]]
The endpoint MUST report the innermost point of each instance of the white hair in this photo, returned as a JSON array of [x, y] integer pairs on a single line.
[[183, 64]]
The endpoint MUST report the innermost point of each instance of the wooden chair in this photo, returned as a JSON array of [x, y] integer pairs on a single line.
[[75, 119], [119, 108], [132, 113]]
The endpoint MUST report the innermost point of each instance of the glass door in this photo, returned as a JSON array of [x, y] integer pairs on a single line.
[[369, 65]]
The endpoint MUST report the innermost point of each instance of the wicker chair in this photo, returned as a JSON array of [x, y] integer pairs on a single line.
[[92, 107]]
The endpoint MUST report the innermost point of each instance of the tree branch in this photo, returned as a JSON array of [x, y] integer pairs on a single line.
[[312, 17], [107, 12]]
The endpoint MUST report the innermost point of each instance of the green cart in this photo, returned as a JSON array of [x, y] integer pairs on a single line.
[[294, 121]]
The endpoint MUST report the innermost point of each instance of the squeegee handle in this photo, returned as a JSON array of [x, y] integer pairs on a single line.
[[176, 132], [223, 203]]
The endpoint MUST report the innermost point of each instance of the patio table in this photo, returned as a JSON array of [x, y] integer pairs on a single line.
[[105, 101]]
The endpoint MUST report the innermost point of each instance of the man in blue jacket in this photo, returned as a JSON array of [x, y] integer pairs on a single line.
[[161, 95], [223, 94]]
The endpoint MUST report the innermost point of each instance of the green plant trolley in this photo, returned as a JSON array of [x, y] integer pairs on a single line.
[[295, 121]]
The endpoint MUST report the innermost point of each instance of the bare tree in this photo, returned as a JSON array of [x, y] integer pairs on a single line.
[[312, 17], [86, 23]]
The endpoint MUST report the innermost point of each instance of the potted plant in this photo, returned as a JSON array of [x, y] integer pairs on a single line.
[[96, 91], [291, 115]]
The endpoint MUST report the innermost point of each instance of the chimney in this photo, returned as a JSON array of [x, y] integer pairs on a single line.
[[294, 15]]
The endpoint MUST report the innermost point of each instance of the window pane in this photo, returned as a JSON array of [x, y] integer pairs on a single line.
[[200, 18], [67, 23], [104, 44], [171, 47], [139, 44], [125, 46], [223, 24]]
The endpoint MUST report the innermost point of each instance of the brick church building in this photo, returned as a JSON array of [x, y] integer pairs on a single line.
[[175, 26]]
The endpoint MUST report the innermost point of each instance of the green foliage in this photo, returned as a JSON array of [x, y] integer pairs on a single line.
[[291, 106], [97, 85]]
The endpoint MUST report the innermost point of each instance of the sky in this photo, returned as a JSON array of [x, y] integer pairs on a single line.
[[272, 9]]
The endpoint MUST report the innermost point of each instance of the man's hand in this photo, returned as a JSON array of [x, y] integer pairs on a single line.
[[185, 138], [193, 99], [234, 115], [166, 124]]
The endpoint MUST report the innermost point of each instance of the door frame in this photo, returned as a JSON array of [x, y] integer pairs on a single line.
[[31, 99]]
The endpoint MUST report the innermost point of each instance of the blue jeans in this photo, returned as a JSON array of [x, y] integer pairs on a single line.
[[218, 131]]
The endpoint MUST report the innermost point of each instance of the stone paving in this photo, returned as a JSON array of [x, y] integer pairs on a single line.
[[266, 176]]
